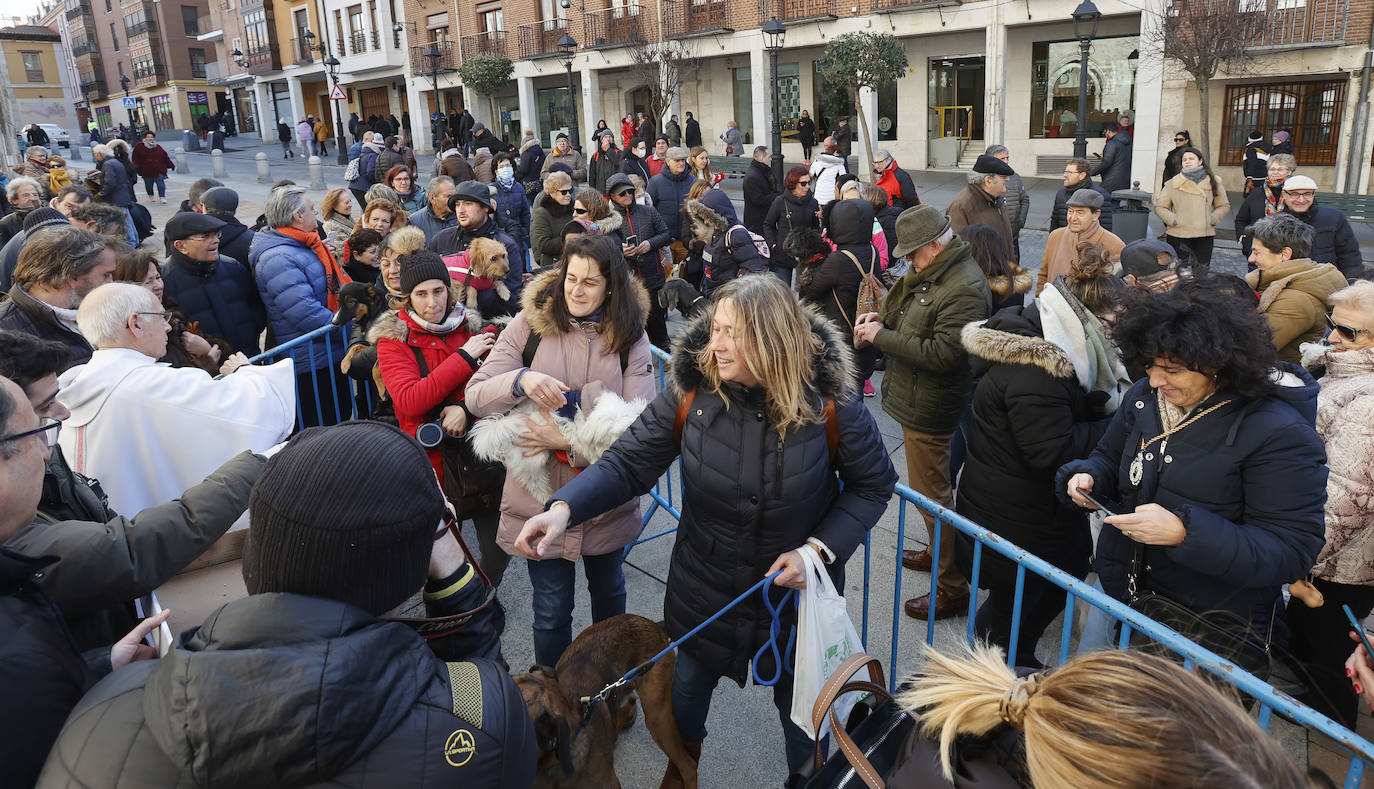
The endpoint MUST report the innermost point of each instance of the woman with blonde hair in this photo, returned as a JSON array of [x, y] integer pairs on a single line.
[[1120, 719], [699, 164], [552, 210], [759, 384]]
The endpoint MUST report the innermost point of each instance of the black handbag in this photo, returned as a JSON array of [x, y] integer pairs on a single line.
[[1223, 632], [871, 739], [470, 484]]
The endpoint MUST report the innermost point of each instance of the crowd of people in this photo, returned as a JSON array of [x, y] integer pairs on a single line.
[[501, 302]]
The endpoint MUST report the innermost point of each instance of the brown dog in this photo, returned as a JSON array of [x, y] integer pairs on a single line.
[[570, 758]]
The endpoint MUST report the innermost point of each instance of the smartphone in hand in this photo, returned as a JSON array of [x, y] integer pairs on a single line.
[[1108, 507]]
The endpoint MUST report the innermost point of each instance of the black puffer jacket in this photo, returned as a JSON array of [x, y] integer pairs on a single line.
[[834, 288], [279, 690], [759, 193], [221, 296], [749, 497], [728, 250], [669, 193], [633, 165], [42, 676], [235, 239], [1333, 240], [1059, 217], [22, 312], [644, 223], [1249, 483], [1029, 417], [788, 213]]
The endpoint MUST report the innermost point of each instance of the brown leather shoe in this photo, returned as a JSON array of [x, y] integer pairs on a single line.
[[917, 560], [945, 605]]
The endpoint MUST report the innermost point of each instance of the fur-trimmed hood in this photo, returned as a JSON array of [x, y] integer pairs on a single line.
[[1018, 282], [834, 367], [1013, 336], [537, 303], [388, 326], [701, 214], [529, 143]]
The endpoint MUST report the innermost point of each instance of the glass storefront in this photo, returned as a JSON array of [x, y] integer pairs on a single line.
[[744, 109], [1055, 69], [555, 115], [162, 112]]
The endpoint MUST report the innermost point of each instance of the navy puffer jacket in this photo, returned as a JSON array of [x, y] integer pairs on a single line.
[[291, 282], [750, 494], [221, 296], [669, 193]]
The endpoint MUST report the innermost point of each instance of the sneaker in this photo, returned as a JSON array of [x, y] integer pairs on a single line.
[[869, 391]]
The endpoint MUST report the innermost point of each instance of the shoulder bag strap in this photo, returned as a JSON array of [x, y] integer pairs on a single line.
[[832, 689], [680, 419], [862, 766]]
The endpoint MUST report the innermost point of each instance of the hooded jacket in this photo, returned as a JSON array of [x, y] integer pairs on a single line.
[[825, 167], [531, 161], [1059, 216], [227, 707], [927, 383], [221, 295], [759, 193], [22, 312], [546, 228], [787, 213], [1293, 300], [1009, 290], [291, 280], [1345, 421], [750, 495], [729, 249], [577, 356], [834, 289], [1190, 210], [669, 193], [1029, 416], [1249, 483]]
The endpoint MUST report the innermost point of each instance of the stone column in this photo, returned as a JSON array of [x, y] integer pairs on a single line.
[[529, 116]]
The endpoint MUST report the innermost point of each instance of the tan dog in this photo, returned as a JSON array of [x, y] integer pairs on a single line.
[[487, 262], [571, 757]]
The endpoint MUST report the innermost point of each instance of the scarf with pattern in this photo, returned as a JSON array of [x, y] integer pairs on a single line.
[[1273, 195]]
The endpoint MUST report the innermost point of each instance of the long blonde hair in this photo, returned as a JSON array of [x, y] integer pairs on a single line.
[[773, 335], [1118, 719]]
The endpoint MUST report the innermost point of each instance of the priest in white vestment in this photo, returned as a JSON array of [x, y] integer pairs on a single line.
[[149, 431]]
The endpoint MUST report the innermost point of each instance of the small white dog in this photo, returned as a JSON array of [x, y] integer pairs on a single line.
[[601, 417]]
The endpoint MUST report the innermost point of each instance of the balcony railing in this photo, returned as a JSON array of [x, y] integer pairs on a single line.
[[300, 48], [447, 61], [216, 73], [94, 90], [83, 46], [1295, 23], [357, 43], [684, 18], [146, 74], [146, 26], [262, 59], [540, 39], [887, 5], [375, 39], [614, 27], [489, 43], [77, 10], [804, 9]]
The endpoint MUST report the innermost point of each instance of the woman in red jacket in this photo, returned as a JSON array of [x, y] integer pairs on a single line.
[[427, 352]]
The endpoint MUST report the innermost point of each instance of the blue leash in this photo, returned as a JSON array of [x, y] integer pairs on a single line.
[[774, 630]]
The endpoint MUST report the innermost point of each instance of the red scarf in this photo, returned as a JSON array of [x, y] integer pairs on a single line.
[[1273, 196], [334, 276]]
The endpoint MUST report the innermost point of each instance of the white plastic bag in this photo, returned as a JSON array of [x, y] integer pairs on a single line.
[[825, 639]]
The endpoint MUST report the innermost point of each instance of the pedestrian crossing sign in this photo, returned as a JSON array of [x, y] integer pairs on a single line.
[[337, 94]]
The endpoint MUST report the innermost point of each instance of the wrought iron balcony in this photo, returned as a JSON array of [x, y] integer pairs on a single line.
[[148, 73], [301, 49], [613, 27], [447, 60], [77, 10], [540, 39], [84, 46], [94, 89], [146, 26], [490, 43], [793, 10], [683, 18], [1300, 23], [357, 43]]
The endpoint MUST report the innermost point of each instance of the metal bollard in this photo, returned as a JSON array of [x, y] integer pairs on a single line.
[[86, 149], [182, 167], [316, 173], [73, 152], [217, 162], [263, 175]]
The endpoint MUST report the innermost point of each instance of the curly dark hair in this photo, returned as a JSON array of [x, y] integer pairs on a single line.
[[1205, 330]]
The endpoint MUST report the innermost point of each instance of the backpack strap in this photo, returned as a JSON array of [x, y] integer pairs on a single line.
[[532, 346], [465, 683], [832, 428], [683, 405]]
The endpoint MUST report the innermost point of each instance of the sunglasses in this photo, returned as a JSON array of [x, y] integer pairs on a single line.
[[565, 191], [807, 182], [1349, 331], [1180, 139], [579, 210]]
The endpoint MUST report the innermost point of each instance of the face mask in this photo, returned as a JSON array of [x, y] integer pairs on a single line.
[[505, 175]]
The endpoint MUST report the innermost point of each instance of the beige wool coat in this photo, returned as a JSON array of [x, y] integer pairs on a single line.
[[1345, 420], [1190, 210]]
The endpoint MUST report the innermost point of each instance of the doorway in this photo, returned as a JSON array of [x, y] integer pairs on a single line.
[[956, 97]]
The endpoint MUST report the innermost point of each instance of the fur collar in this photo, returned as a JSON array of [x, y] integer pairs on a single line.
[[547, 202], [1006, 348], [834, 367], [702, 214], [530, 143], [1019, 282], [388, 326], [537, 303]]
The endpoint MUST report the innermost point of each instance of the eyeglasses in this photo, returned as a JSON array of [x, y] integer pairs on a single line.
[[1180, 139], [49, 430], [1348, 331], [579, 210], [565, 191], [1303, 195], [166, 316], [807, 182], [881, 164], [202, 237]]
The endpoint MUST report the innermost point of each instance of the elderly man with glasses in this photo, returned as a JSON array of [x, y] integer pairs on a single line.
[[149, 431], [1333, 239], [901, 191], [216, 291]]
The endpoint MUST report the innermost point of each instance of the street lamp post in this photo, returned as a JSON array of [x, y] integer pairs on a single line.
[[124, 83], [567, 51], [332, 64], [433, 55], [774, 32], [1085, 19]]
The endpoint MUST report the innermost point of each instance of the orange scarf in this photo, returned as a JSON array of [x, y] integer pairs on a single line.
[[334, 275]]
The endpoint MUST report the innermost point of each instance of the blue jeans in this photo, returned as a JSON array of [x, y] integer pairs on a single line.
[[160, 181], [693, 685], [554, 582]]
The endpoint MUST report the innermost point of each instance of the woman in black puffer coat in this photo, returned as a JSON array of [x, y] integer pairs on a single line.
[[794, 208], [834, 286], [759, 482]]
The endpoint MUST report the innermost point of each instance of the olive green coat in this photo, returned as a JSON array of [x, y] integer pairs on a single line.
[[928, 381]]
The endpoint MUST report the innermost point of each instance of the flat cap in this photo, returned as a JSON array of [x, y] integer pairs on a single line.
[[991, 165], [189, 223]]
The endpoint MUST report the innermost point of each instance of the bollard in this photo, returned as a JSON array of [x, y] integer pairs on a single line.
[[86, 149], [74, 152], [217, 160], [263, 175], [316, 173], [182, 167]]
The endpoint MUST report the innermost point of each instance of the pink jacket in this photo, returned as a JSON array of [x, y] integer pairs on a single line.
[[576, 356]]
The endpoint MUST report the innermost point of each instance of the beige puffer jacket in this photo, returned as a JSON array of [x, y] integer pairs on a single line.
[[1345, 420], [1190, 210]]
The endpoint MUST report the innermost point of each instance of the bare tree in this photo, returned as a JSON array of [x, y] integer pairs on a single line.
[[662, 68], [1205, 38]]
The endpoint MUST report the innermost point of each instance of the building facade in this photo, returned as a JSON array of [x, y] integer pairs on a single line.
[[37, 87]]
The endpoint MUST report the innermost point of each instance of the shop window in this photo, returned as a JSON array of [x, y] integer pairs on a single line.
[[887, 112], [744, 107], [1309, 111], [1054, 85], [162, 112]]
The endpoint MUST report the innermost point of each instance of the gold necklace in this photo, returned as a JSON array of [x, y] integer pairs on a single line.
[[1137, 470]]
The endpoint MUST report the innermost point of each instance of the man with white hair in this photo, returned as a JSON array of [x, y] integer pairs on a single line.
[[24, 195], [35, 164], [116, 187], [980, 203], [148, 431]]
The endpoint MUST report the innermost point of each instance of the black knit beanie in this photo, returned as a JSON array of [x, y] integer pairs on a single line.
[[420, 267], [344, 513]]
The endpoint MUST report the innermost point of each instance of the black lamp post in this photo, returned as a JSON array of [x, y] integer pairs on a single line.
[[124, 83], [774, 32], [567, 51], [433, 55], [331, 63], [1085, 19]]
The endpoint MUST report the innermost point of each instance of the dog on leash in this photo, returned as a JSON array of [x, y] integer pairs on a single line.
[[361, 303], [573, 757], [678, 294]]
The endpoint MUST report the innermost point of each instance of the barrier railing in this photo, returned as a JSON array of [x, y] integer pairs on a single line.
[[667, 496], [320, 347]]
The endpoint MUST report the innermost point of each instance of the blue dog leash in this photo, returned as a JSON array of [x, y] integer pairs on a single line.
[[774, 630]]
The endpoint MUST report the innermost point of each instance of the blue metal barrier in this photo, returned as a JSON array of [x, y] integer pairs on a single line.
[[320, 344]]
